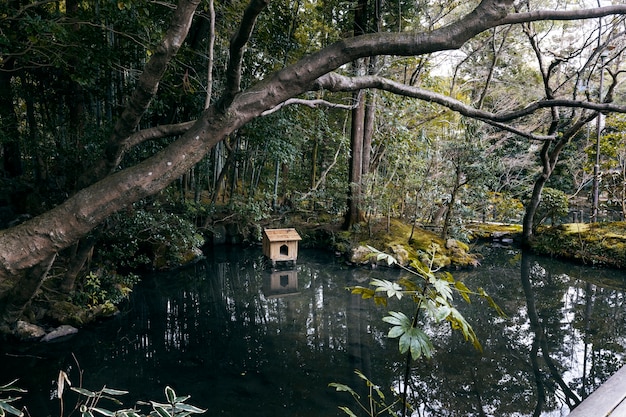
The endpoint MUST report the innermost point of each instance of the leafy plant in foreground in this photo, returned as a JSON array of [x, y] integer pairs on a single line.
[[89, 402], [5, 402], [174, 407], [432, 292], [375, 405]]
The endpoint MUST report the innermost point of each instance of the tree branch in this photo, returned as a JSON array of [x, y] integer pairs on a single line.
[[335, 82], [237, 45], [310, 103], [147, 86], [156, 132], [580, 14]]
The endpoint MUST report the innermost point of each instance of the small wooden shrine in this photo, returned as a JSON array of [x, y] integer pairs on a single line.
[[281, 245]]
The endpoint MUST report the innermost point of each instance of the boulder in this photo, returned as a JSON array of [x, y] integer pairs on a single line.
[[28, 331], [61, 331]]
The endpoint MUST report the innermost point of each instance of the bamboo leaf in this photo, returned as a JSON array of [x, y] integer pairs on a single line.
[[111, 391], [161, 411], [9, 409], [104, 412], [10, 387], [190, 408], [170, 394], [84, 392], [182, 399]]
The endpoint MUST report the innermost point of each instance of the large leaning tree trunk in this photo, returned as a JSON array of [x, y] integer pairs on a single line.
[[27, 250]]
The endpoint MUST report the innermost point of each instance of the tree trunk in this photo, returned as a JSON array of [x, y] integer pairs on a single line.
[[12, 158], [354, 215], [14, 301], [84, 249]]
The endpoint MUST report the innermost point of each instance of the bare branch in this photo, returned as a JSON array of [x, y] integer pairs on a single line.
[[562, 14], [310, 103], [157, 132], [335, 82]]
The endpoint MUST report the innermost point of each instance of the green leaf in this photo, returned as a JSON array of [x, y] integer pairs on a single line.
[[9, 409], [342, 388], [113, 391], [397, 318], [417, 342], [442, 287], [84, 392], [395, 331], [190, 408], [492, 303], [347, 411], [391, 288], [441, 312], [458, 322], [170, 395], [463, 290], [382, 256], [161, 411], [365, 292], [104, 412]]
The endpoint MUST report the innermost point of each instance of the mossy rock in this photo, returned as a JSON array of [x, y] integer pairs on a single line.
[[419, 244], [64, 312]]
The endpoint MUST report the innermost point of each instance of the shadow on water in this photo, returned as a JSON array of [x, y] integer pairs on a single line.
[[244, 341]]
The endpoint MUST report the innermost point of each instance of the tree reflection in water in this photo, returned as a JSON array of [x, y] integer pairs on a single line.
[[553, 349], [241, 341]]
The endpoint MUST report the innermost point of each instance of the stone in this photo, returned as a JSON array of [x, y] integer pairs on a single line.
[[361, 255], [61, 331], [28, 331]]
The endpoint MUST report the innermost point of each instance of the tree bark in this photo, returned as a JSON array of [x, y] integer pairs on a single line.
[[14, 301], [354, 214]]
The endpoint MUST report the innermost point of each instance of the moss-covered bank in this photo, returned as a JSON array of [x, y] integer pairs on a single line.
[[602, 244], [394, 237]]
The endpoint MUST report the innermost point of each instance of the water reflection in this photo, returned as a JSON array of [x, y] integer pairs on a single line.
[[241, 339], [554, 348]]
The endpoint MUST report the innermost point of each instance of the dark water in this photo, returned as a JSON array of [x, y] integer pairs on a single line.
[[244, 342]]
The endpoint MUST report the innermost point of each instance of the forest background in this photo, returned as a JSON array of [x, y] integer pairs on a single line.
[[132, 130]]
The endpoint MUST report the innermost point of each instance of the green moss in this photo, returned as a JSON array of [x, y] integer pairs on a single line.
[[489, 230], [596, 243], [418, 244]]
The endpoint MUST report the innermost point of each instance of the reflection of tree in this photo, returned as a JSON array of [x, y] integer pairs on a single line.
[[209, 330], [530, 360], [540, 342]]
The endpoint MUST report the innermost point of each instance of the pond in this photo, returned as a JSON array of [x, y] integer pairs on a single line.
[[244, 341]]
